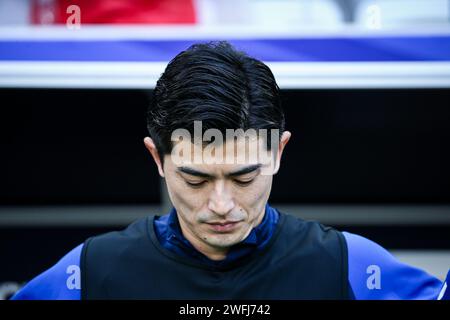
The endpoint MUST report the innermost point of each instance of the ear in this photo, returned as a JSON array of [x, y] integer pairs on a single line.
[[283, 142], [150, 145]]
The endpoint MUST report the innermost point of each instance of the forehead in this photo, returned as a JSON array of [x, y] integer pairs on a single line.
[[219, 158]]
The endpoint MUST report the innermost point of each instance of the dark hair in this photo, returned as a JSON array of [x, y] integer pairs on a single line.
[[218, 85]]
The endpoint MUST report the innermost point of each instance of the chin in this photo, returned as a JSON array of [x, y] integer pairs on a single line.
[[224, 241]]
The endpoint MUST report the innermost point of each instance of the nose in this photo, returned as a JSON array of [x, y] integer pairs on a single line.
[[221, 200]]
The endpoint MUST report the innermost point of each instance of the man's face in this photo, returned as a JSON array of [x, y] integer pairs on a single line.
[[217, 204]]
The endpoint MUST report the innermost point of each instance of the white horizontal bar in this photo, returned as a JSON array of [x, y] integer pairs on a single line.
[[205, 32], [289, 75]]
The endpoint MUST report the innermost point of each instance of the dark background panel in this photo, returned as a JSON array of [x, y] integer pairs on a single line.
[[75, 146], [366, 146], [348, 146]]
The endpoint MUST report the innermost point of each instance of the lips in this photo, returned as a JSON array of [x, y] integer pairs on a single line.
[[223, 226]]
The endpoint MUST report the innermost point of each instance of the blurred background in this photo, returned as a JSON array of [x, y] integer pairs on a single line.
[[365, 87]]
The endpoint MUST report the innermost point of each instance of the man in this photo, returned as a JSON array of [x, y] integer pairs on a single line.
[[222, 240]]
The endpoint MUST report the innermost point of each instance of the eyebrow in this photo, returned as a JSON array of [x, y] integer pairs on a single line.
[[239, 172]]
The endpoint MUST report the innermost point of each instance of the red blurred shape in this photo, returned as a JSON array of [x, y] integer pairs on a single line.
[[115, 11]]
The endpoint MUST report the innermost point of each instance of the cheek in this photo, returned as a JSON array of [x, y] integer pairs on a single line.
[[255, 196], [184, 196]]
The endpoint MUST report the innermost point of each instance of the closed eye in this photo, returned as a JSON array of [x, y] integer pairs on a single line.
[[243, 182], [195, 184]]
